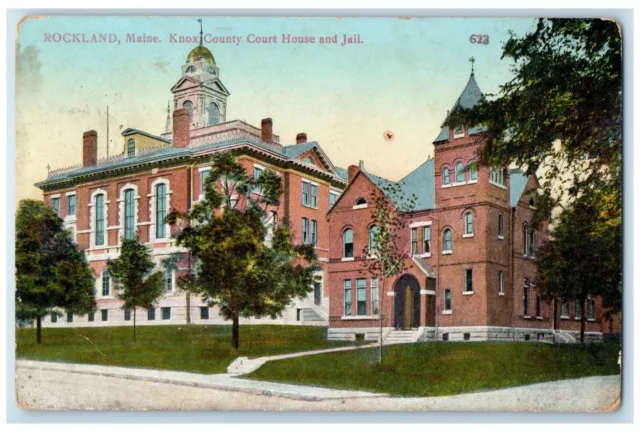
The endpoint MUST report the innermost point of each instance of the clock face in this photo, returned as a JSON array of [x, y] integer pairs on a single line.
[[211, 70]]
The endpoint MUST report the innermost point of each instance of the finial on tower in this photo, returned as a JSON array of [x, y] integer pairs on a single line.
[[472, 60], [200, 21]]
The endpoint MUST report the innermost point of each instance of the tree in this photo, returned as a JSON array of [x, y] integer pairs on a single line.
[[138, 286], [247, 265], [386, 257], [50, 271], [583, 256]]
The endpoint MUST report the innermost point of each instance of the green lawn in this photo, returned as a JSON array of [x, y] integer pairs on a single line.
[[194, 348], [436, 369]]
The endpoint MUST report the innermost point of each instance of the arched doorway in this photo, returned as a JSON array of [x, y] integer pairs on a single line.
[[407, 303]]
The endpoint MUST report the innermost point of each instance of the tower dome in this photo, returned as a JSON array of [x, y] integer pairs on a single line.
[[201, 52]]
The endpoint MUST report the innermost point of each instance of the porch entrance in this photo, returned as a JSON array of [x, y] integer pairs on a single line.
[[407, 303]]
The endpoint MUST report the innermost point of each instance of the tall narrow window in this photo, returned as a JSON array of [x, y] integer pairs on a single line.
[[500, 226], [55, 204], [538, 305], [305, 193], [578, 309], [459, 172], [564, 309], [532, 243], [214, 114], [446, 177], [106, 283], [468, 278], [373, 232], [414, 240], [105, 314], [361, 294], [161, 210], [374, 296], [168, 278], [473, 171], [525, 237], [426, 239], [468, 223], [257, 172], [525, 297], [496, 176], [447, 299], [314, 196], [447, 243], [500, 283], [166, 313], [71, 205], [99, 206], [129, 225], [591, 309], [188, 105], [131, 148], [314, 232], [305, 230], [347, 241], [347, 297], [151, 314], [203, 178], [332, 199]]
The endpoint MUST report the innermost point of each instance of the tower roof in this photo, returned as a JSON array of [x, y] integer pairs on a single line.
[[470, 96], [201, 52]]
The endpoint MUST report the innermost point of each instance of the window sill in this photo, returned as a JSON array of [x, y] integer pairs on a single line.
[[446, 312], [539, 318], [564, 317], [467, 292], [70, 218], [359, 317], [423, 255], [500, 237], [467, 235], [360, 206], [447, 252], [472, 181], [459, 183], [500, 293], [526, 317], [444, 186], [576, 318], [498, 185], [306, 205], [348, 259], [591, 320]]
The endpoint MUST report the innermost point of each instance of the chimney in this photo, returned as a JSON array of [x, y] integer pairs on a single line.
[[352, 172], [361, 165], [181, 128], [267, 130], [89, 148], [301, 138]]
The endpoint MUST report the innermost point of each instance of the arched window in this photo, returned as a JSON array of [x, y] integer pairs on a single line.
[[99, 206], [188, 105], [468, 223], [129, 209], [347, 241], [373, 231], [532, 201], [500, 226], [106, 283], [214, 114], [447, 299], [191, 69], [459, 172], [131, 148], [361, 201], [525, 237], [473, 171], [532, 242], [447, 244], [446, 178], [161, 210]]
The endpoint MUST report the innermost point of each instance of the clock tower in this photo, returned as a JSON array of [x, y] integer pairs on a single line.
[[200, 90]]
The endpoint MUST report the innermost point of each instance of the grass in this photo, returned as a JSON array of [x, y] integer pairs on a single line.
[[437, 369], [192, 348]]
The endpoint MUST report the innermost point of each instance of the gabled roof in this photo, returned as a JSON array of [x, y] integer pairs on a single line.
[[133, 131], [470, 96], [517, 182], [294, 151], [424, 266]]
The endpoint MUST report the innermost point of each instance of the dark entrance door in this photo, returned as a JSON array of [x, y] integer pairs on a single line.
[[407, 303], [317, 293]]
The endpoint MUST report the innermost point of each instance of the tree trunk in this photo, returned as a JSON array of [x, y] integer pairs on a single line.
[[583, 320], [235, 332], [188, 308], [134, 325], [39, 329], [380, 309]]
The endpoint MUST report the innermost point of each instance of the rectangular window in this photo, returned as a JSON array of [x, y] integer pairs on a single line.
[[54, 318], [496, 176], [99, 219], [426, 238], [71, 205], [105, 314], [166, 313], [129, 226], [168, 280], [203, 177], [55, 204], [525, 297], [332, 199], [374, 296], [314, 196], [500, 226], [151, 314], [314, 232], [361, 294], [69, 317], [298, 314], [447, 299], [161, 210], [500, 286], [204, 313], [347, 240], [564, 309], [305, 193], [414, 240], [127, 315], [106, 283], [91, 317], [347, 297], [578, 309], [591, 309], [532, 243], [305, 230], [257, 172], [468, 226], [468, 286], [538, 305]]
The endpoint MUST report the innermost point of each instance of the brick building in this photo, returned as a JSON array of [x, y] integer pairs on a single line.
[[471, 253], [105, 199]]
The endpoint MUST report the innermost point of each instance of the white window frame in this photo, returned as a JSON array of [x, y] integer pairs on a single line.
[[201, 170], [468, 234], [92, 218], [444, 242], [458, 132], [446, 311], [152, 207], [500, 282], [121, 204]]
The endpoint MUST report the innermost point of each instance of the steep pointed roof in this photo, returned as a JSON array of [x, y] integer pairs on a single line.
[[517, 181], [470, 96]]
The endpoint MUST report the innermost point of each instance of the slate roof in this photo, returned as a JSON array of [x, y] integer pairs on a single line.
[[470, 96], [517, 181], [342, 173]]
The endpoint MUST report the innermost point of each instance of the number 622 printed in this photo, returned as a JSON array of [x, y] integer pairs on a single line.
[[479, 39]]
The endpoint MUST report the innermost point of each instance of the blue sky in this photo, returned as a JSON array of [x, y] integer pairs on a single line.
[[404, 77]]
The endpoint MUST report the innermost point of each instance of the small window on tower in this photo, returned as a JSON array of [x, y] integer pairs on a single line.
[[458, 132], [191, 69]]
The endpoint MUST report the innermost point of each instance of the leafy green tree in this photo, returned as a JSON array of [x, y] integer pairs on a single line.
[[387, 252], [50, 271], [583, 256], [132, 271], [246, 264]]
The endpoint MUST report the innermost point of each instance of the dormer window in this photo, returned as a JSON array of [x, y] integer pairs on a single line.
[[308, 160], [458, 132], [360, 203], [131, 148], [191, 69]]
